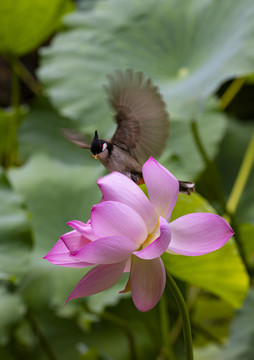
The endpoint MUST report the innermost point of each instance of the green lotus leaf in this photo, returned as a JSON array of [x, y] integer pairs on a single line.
[[246, 232], [12, 310], [240, 342], [216, 321], [188, 49], [15, 233], [25, 24], [41, 133]]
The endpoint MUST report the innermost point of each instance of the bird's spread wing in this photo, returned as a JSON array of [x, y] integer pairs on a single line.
[[76, 138], [143, 122]]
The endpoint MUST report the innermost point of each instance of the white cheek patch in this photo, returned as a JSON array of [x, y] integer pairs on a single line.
[[104, 146]]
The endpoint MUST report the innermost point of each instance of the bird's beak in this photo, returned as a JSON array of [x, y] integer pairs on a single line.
[[96, 156]]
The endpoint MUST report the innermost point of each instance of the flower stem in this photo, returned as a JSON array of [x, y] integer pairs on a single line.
[[42, 339], [235, 196], [122, 324], [215, 182], [198, 142], [231, 92], [164, 320], [184, 315], [241, 179], [190, 301], [125, 326], [28, 78]]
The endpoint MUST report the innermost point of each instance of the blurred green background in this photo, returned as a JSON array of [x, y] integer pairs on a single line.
[[54, 56]]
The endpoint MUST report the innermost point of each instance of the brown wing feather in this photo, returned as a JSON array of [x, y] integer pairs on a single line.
[[143, 122], [75, 138]]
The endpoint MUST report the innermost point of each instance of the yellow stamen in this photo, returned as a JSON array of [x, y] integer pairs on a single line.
[[152, 236]]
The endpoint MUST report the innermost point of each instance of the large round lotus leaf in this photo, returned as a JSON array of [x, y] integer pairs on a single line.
[[11, 310], [15, 234], [55, 193], [25, 24], [240, 342], [41, 133], [188, 48], [181, 156]]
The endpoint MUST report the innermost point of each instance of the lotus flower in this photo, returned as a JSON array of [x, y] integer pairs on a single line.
[[128, 232]]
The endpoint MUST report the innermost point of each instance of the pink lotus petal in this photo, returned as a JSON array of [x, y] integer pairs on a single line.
[[148, 280], [100, 278], [61, 255], [111, 218], [74, 240], [83, 229], [118, 187], [198, 234], [107, 250], [158, 246], [162, 186]]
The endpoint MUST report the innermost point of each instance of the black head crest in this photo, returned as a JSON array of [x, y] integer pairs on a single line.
[[96, 144]]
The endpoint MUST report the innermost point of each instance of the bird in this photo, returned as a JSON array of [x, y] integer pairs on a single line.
[[142, 127]]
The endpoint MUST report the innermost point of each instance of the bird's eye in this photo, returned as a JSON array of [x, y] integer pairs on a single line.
[[104, 146]]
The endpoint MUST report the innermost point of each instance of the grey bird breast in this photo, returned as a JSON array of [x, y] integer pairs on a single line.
[[120, 160]]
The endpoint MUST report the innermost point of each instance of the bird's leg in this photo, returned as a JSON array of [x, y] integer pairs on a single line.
[[137, 178]]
